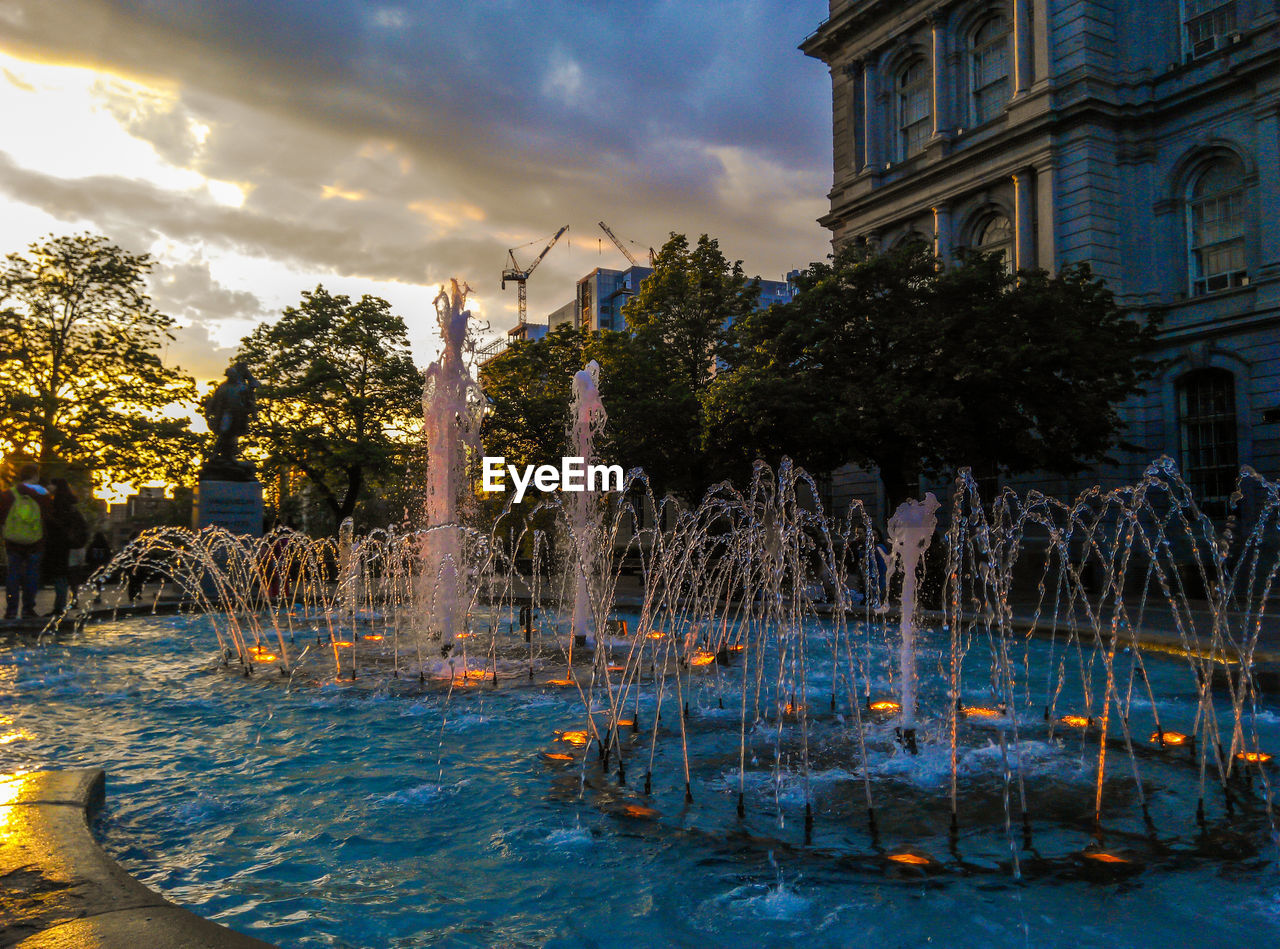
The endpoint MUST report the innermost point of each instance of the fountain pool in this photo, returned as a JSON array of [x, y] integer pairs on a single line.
[[477, 817]]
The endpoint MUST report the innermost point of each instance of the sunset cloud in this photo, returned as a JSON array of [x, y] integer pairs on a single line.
[[395, 145]]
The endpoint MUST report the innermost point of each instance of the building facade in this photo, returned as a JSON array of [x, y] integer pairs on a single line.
[[1139, 136]]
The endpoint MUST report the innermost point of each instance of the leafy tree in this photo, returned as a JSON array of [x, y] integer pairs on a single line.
[[340, 399], [685, 305], [678, 319], [528, 389], [890, 362], [82, 378], [653, 414]]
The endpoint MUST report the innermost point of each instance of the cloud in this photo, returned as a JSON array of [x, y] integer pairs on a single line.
[[412, 141]]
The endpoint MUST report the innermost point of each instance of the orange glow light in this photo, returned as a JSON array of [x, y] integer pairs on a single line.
[[736, 647], [974, 711], [885, 705], [913, 859], [557, 756], [375, 638], [1101, 857], [790, 709], [702, 659], [617, 668], [1075, 721], [657, 634], [341, 644], [1169, 738], [464, 636], [1254, 757], [574, 738], [625, 723], [636, 810], [559, 682]]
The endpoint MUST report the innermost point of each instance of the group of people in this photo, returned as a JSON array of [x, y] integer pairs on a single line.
[[42, 524]]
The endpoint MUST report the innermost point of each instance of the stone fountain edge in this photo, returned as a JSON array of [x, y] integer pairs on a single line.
[[64, 891]]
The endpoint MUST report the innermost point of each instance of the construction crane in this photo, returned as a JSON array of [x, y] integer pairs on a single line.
[[618, 244], [623, 247], [520, 275]]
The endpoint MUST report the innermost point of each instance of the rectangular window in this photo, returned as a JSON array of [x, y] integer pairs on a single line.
[[990, 80], [1207, 24], [915, 119], [1207, 423], [1217, 234]]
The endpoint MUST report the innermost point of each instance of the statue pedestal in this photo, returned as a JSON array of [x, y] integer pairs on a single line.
[[235, 506]]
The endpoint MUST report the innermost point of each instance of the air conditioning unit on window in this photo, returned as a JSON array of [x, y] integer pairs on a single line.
[[1204, 47]]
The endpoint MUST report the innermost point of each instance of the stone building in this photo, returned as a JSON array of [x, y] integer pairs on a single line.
[[1141, 136]]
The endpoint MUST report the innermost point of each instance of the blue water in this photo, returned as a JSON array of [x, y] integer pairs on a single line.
[[337, 815]]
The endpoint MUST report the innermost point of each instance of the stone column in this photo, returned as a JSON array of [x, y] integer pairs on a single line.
[[1046, 219], [1267, 191], [858, 119], [942, 238], [1023, 47], [938, 67], [1024, 237], [872, 141]]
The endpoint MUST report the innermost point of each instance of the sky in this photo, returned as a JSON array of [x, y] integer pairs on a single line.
[[257, 148]]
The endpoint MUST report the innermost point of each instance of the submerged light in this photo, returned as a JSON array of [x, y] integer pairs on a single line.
[[1101, 856], [702, 659], [1076, 721], [374, 637], [341, 644], [911, 859], [885, 705], [574, 737], [1173, 739], [977, 711], [559, 682], [638, 810], [556, 756], [1254, 757]]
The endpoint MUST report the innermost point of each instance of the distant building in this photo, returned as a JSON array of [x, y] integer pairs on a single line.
[[601, 295], [563, 314], [1141, 137], [521, 332]]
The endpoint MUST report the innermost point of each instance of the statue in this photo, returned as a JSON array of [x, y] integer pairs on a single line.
[[228, 412]]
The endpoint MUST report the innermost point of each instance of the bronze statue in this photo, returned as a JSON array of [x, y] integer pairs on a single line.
[[228, 412]]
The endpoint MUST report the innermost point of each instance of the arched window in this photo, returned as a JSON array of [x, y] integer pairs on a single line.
[[989, 68], [1216, 227], [915, 121], [994, 235], [909, 239], [1207, 434]]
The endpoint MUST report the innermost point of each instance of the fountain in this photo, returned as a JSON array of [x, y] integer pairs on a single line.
[[450, 411], [587, 417], [1079, 688], [910, 531]]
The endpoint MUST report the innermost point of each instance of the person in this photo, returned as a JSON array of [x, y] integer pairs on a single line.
[[65, 531], [24, 510], [96, 556]]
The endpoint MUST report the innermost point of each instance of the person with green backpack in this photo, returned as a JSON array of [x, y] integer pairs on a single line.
[[24, 509]]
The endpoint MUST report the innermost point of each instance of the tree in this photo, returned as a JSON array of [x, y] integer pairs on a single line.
[[685, 305], [679, 318], [82, 378], [340, 400], [893, 363], [527, 388]]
